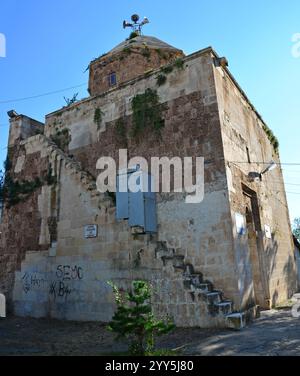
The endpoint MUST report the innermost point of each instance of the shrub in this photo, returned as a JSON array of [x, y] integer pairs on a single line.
[[134, 319]]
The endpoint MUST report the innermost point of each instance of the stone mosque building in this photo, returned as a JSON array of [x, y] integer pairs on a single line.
[[211, 264]]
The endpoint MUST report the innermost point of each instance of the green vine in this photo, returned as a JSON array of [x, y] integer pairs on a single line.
[[62, 138], [272, 138], [133, 35], [121, 128], [1, 186], [50, 179], [161, 54], [179, 63], [167, 69], [14, 191], [98, 117], [161, 79], [147, 112], [146, 53]]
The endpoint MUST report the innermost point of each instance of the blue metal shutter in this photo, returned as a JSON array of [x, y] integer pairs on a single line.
[[122, 198], [150, 212], [138, 207]]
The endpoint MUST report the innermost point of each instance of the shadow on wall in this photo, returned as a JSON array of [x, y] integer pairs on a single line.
[[290, 274], [281, 280], [2, 306], [270, 260]]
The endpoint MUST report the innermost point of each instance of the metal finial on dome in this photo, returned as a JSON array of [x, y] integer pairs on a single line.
[[135, 25]]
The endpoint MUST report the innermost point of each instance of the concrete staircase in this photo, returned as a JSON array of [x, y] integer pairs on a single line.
[[202, 290], [193, 281], [74, 168]]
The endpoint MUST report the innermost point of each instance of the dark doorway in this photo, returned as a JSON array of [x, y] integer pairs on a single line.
[[255, 247]]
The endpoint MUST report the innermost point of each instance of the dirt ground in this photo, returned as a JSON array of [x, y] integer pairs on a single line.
[[275, 333]]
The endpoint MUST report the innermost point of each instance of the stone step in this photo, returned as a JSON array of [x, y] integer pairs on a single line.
[[75, 168], [236, 320], [224, 308], [178, 262], [196, 279], [296, 297], [163, 251], [53, 249], [188, 270], [202, 287], [208, 287], [213, 297]]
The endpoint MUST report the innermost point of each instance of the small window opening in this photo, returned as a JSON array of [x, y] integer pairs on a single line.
[[112, 79]]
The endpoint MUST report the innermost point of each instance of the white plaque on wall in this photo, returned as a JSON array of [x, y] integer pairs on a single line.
[[240, 224], [90, 231], [268, 232]]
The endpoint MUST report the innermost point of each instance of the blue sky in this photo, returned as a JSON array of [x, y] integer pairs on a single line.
[[50, 44]]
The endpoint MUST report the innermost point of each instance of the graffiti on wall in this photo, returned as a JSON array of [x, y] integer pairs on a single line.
[[32, 281], [69, 273], [65, 274], [60, 290], [61, 286]]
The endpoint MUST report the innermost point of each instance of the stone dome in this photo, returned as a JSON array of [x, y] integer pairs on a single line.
[[129, 60], [143, 41]]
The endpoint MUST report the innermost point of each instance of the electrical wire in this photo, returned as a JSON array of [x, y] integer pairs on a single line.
[[267, 163], [42, 95]]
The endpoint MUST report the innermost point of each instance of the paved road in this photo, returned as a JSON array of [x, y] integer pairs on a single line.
[[275, 333]]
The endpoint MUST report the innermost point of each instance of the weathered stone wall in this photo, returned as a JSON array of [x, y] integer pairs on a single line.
[[73, 284], [297, 255], [128, 64], [23, 127], [200, 234], [21, 222], [191, 129], [204, 113], [270, 269]]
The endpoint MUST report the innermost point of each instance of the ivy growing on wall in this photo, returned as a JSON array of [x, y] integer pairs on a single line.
[[125, 53], [146, 53], [121, 132], [133, 35], [1, 185], [161, 79], [161, 54], [167, 69], [14, 191], [50, 179], [179, 63], [272, 138], [62, 138], [98, 117], [147, 112]]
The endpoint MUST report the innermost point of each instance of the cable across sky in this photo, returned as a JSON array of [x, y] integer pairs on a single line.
[[41, 95]]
